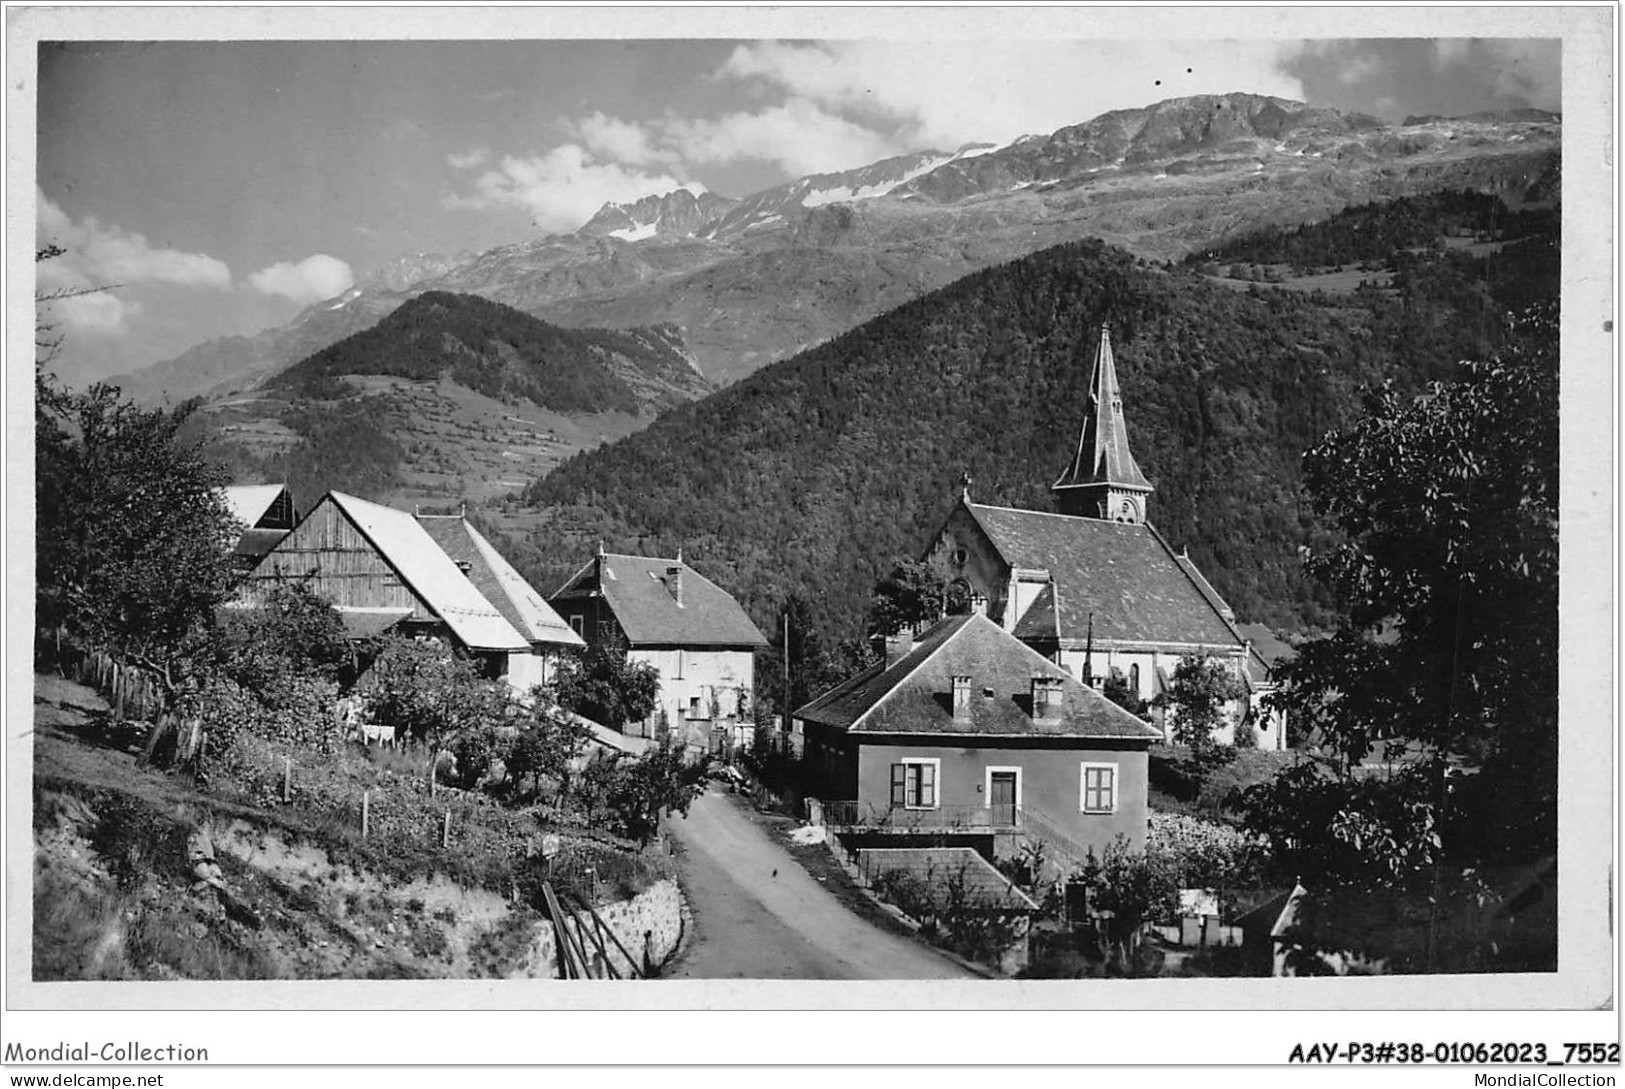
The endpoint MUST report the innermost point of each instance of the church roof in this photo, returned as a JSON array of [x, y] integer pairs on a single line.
[[640, 592], [1103, 455], [914, 695], [1122, 574]]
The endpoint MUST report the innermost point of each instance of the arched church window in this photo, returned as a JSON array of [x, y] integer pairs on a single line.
[[1134, 678]]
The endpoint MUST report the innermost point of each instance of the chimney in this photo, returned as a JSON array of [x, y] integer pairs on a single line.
[[674, 583], [961, 696], [1046, 699], [898, 645]]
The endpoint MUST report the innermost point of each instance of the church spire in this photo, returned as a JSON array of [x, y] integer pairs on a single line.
[[1103, 481]]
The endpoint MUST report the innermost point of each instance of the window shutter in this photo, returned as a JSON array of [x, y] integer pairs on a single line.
[[899, 785], [928, 784]]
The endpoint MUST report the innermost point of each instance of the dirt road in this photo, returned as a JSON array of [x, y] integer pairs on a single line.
[[759, 915]]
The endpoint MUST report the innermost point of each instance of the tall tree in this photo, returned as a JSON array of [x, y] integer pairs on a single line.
[[607, 686], [132, 530], [1447, 576]]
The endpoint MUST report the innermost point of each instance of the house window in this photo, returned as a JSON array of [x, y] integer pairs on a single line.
[[1098, 788], [693, 707], [577, 623], [914, 784]]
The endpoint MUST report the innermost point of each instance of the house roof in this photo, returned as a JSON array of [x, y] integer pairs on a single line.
[[984, 885], [495, 578], [914, 695], [639, 591], [401, 539], [1121, 574], [249, 502]]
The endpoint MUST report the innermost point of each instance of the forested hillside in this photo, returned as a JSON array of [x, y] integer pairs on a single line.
[[814, 474], [1380, 230], [485, 346]]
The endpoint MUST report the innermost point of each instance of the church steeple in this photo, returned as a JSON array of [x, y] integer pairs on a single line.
[[1103, 480]]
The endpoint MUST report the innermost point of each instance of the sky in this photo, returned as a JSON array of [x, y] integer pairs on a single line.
[[224, 186]]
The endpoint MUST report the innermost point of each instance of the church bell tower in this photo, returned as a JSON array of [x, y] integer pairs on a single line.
[[1103, 480]]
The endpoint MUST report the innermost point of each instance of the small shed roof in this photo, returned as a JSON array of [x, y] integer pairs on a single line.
[[985, 887], [432, 575]]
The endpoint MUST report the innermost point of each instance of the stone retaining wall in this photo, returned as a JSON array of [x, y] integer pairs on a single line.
[[649, 925]]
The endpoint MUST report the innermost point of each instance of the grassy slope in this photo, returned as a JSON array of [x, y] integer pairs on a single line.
[[114, 896]]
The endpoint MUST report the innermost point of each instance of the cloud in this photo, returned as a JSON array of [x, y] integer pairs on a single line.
[[1359, 69], [562, 188], [619, 141], [317, 277], [101, 314], [100, 253], [798, 136], [101, 258], [470, 159], [945, 94]]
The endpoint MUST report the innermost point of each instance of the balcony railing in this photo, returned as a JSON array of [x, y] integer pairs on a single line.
[[872, 817], [859, 816]]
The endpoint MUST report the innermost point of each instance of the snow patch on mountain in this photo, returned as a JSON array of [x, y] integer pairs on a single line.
[[637, 233]]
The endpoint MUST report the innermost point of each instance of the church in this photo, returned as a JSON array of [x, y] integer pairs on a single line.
[[1095, 588]]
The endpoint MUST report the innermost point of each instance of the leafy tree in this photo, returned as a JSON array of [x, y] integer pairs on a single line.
[[1448, 649], [631, 795], [430, 694], [912, 596], [1198, 702], [604, 684], [288, 630], [132, 531], [1116, 688], [1136, 887], [546, 745]]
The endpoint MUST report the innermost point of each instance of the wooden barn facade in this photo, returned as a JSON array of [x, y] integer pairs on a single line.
[[382, 570]]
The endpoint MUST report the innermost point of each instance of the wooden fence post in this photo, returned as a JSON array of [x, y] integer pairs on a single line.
[[366, 805], [287, 779], [445, 830]]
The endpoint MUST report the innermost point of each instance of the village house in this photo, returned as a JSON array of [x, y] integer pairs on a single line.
[[970, 733], [691, 630], [266, 513], [1095, 587], [383, 570]]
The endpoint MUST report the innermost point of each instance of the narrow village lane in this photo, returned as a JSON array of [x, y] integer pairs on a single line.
[[759, 915]]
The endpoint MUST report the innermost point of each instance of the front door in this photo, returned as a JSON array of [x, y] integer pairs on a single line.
[[1002, 797]]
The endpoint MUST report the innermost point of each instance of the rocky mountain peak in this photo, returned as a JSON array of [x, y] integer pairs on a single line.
[[675, 214]]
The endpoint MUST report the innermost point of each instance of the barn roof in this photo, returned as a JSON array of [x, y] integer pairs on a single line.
[[431, 574], [496, 579], [641, 593], [914, 695], [1121, 574], [985, 887], [249, 502]]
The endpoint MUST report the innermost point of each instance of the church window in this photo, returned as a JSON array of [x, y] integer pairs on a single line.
[[960, 556], [1134, 678]]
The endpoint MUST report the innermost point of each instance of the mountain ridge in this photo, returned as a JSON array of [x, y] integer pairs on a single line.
[[1163, 180]]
